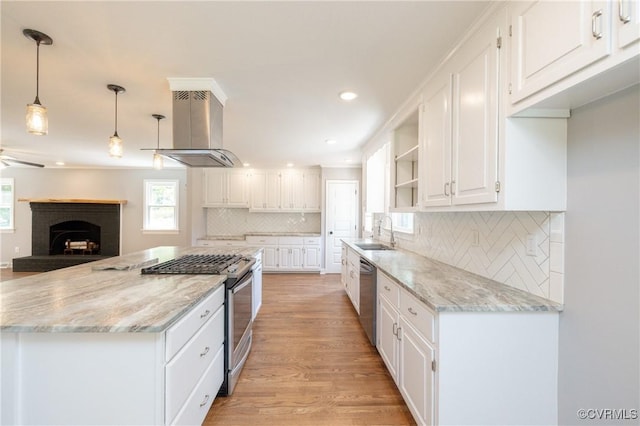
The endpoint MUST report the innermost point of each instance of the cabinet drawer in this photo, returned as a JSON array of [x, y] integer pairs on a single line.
[[312, 241], [186, 327], [261, 241], [197, 405], [389, 289], [353, 257], [418, 315], [290, 241], [186, 368]]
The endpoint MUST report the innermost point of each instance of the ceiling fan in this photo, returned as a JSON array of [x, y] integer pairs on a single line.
[[7, 161]]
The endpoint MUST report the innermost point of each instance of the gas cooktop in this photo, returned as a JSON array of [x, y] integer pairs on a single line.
[[213, 264]]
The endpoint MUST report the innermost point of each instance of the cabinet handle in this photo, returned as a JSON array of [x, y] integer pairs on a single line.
[[411, 311], [205, 314], [204, 402], [398, 335], [395, 329], [387, 288], [595, 18], [446, 189], [206, 351], [625, 19]]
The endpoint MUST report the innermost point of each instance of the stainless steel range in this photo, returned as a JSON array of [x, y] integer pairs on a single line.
[[238, 300]]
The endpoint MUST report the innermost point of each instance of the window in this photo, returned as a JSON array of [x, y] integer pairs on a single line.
[[6, 203], [402, 222], [161, 205]]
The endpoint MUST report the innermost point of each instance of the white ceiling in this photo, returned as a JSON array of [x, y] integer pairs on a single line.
[[281, 65]]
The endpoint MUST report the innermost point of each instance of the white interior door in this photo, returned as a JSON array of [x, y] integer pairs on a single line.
[[342, 220]]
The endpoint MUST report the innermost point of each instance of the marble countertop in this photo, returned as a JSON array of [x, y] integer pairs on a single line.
[[89, 298], [445, 288], [261, 234]]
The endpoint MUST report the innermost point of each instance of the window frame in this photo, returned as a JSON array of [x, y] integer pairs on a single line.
[[11, 205], [151, 228]]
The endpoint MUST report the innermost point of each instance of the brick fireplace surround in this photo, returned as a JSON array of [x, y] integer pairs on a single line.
[[102, 216]]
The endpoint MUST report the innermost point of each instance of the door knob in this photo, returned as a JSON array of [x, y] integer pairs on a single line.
[[330, 232]]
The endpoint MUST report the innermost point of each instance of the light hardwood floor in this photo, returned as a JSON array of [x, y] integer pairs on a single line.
[[311, 363]]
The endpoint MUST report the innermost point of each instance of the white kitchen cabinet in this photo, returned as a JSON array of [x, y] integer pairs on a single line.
[[459, 148], [289, 190], [270, 256], [256, 300], [468, 367], [220, 243], [168, 377], [343, 267], [626, 18], [552, 40], [226, 188], [471, 156], [353, 278], [290, 253], [265, 190], [311, 254]]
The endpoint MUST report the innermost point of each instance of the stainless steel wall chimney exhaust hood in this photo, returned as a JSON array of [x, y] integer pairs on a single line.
[[197, 131]]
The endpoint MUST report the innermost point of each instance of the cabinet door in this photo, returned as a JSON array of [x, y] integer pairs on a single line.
[[237, 188], [296, 257], [474, 139], [344, 271], [270, 258], [292, 188], [387, 336], [416, 374], [436, 143], [311, 190], [214, 186], [265, 190], [627, 21], [553, 39], [311, 257]]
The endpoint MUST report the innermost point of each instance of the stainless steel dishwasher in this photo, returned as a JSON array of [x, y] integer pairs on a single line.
[[368, 299]]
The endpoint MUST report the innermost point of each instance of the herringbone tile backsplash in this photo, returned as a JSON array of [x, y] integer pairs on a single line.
[[494, 245]]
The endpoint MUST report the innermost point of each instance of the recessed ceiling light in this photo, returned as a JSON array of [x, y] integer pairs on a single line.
[[348, 96], [59, 163], [246, 164], [347, 160], [289, 164], [330, 141]]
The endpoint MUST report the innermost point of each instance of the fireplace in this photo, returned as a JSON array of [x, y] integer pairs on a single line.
[[71, 232]]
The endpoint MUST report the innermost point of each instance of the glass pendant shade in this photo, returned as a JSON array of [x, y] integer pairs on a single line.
[[37, 122], [115, 146], [157, 161]]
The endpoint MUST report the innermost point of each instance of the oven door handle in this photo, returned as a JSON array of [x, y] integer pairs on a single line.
[[242, 284]]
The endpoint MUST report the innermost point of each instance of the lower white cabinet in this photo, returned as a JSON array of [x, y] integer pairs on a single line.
[[352, 278], [256, 301], [169, 377], [468, 367], [288, 253]]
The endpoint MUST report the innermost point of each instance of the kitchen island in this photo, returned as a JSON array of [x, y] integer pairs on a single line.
[[100, 343]]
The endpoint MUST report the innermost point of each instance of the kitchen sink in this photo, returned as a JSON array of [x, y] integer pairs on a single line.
[[373, 246]]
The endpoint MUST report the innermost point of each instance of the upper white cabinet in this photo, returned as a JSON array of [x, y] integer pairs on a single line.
[[405, 165], [565, 54], [226, 188], [627, 22], [265, 190], [285, 190], [553, 39], [459, 148]]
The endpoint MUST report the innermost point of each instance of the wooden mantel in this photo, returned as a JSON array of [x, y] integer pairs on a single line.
[[72, 200]]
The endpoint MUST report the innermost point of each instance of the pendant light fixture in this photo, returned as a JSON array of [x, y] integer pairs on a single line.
[[115, 143], [157, 158], [37, 122]]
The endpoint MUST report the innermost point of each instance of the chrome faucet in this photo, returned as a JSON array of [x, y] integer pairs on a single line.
[[392, 240]]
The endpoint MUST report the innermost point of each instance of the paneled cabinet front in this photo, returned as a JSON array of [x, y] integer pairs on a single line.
[[288, 253], [290, 190], [226, 188]]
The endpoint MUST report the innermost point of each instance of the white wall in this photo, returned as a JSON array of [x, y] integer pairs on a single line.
[[113, 184], [599, 366]]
